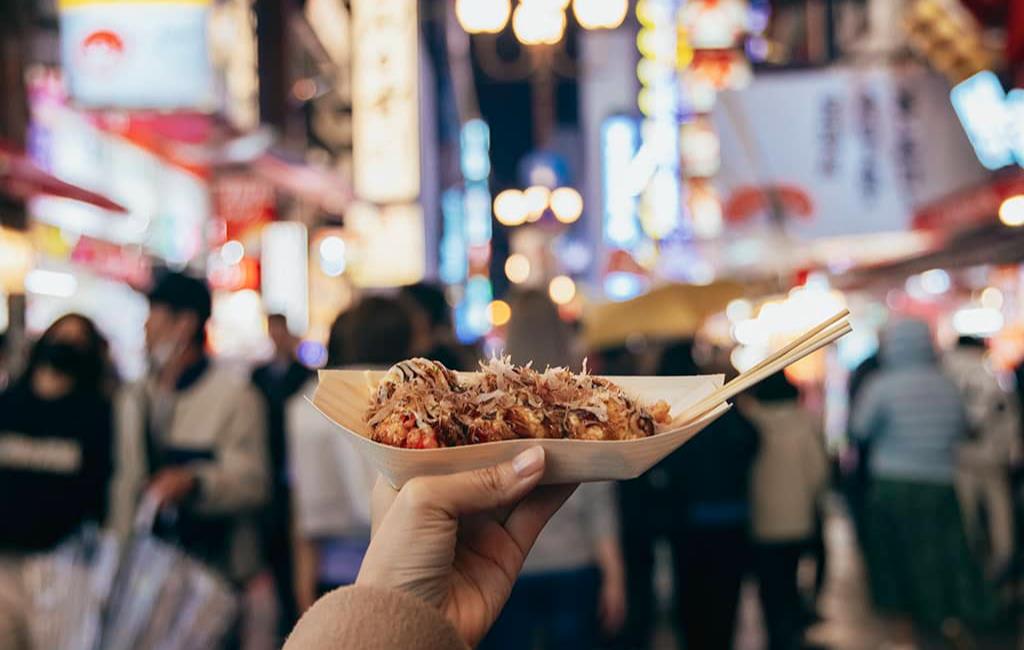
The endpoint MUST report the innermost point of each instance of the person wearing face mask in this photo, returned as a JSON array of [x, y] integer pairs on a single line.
[[55, 454], [192, 439]]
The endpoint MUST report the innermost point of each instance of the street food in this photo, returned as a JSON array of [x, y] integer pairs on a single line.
[[421, 404]]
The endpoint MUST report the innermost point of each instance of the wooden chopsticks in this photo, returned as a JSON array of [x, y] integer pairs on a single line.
[[810, 341]]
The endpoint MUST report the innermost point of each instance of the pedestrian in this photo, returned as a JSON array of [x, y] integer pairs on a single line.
[[986, 459], [277, 381], [55, 455], [698, 500], [923, 577], [433, 331], [192, 438], [332, 482], [572, 587], [56, 438], [788, 479], [855, 460]]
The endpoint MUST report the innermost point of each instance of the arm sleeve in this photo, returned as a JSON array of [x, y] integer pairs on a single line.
[[867, 412], [129, 468], [816, 456], [370, 618], [239, 477]]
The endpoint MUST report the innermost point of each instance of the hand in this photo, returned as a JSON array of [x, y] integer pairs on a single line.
[[458, 542], [611, 608], [170, 486]]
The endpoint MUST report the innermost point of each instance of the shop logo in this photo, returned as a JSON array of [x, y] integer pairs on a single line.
[[101, 51]]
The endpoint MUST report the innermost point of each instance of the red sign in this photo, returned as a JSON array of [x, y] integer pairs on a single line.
[[973, 206], [243, 203]]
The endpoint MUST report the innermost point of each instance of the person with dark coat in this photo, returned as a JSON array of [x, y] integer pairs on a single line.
[[56, 460], [56, 439], [277, 381], [698, 500]]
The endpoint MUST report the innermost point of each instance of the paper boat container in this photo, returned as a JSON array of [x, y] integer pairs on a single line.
[[343, 396]]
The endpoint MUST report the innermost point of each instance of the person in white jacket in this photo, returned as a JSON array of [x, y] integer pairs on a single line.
[[331, 482], [789, 476], [984, 463], [191, 437]]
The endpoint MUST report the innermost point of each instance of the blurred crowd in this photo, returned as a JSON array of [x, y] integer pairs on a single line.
[[249, 478]]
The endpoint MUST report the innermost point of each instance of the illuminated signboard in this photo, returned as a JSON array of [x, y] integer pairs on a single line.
[[386, 245], [385, 104], [283, 257], [980, 103], [659, 102], [471, 321], [137, 55], [619, 142]]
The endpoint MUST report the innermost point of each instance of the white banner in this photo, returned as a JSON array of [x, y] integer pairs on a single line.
[[864, 146]]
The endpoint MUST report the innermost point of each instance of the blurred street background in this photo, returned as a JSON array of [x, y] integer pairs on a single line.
[[202, 202]]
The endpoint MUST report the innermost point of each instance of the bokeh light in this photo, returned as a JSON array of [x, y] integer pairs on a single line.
[[517, 268], [510, 207], [992, 298], [536, 22], [333, 259], [600, 14], [483, 16], [1011, 212], [499, 313], [562, 289], [232, 252], [567, 204], [536, 197]]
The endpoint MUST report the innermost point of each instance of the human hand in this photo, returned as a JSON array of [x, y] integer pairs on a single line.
[[459, 541], [171, 485]]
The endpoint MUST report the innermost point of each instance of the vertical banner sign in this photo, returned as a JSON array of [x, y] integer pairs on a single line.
[[385, 104]]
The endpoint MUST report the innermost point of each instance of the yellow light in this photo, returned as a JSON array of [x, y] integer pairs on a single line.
[[992, 298], [536, 23], [562, 289], [600, 14], [1011, 212], [483, 16], [536, 198], [16, 258], [646, 71], [510, 208], [567, 204], [499, 313], [645, 101], [644, 14], [517, 268]]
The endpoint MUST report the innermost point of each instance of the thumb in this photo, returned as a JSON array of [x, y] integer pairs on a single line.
[[483, 489]]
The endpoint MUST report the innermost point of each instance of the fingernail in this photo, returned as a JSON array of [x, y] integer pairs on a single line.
[[529, 462]]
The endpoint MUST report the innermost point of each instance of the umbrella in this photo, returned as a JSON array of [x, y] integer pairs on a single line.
[[22, 179], [671, 311]]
